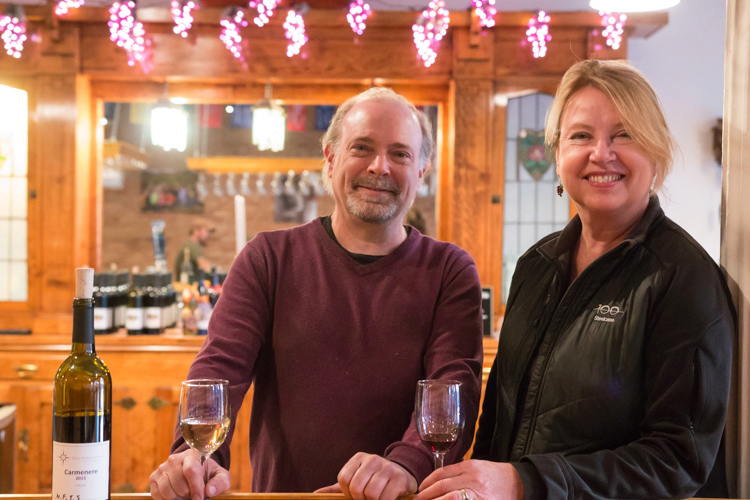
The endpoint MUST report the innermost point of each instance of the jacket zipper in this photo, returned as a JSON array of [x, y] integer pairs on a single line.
[[545, 364]]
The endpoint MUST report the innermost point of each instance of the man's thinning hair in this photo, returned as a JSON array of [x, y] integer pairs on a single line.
[[332, 137]]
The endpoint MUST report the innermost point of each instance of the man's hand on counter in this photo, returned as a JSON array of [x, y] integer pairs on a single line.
[[372, 477], [181, 476]]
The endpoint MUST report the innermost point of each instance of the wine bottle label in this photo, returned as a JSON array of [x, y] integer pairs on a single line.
[[80, 471], [120, 313], [165, 317], [134, 319], [103, 318], [153, 317]]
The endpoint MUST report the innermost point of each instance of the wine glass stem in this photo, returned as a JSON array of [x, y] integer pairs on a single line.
[[205, 474], [439, 460]]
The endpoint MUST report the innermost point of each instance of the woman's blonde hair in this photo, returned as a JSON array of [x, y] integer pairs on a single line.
[[635, 101]]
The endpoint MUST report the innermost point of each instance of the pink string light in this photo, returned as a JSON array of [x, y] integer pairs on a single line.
[[64, 6], [538, 34], [430, 27], [14, 34], [231, 21], [295, 33], [126, 32], [613, 28], [359, 11], [486, 11], [182, 15], [265, 10]]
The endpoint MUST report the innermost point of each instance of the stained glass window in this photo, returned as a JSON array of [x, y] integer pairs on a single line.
[[13, 189], [532, 208]]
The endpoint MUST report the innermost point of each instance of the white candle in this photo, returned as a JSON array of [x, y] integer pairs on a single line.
[[240, 228]]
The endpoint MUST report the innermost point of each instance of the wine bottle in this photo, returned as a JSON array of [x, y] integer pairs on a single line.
[[82, 409], [134, 316]]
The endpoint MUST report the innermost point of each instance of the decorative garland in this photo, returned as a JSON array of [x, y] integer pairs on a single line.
[[359, 11], [538, 34], [613, 28], [295, 33], [63, 6], [183, 19], [430, 27], [232, 20], [265, 10], [14, 34], [486, 11], [127, 33]]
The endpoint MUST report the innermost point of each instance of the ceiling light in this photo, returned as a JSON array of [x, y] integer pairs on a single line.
[[269, 123], [632, 5], [169, 126]]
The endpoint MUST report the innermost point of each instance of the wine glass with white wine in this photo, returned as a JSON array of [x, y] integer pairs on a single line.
[[204, 416], [438, 414]]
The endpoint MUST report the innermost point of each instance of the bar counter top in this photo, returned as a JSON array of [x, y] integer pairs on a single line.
[[225, 496]]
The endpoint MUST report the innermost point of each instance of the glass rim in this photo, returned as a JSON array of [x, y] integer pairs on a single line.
[[438, 381], [205, 382]]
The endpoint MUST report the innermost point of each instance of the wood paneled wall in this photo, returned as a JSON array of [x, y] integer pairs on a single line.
[[74, 66]]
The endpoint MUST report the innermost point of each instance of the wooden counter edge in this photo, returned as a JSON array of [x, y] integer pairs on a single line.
[[227, 496]]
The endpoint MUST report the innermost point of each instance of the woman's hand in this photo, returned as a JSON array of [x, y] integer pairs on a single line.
[[479, 480]]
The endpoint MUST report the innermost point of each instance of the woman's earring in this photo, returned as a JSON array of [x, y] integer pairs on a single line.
[[560, 189]]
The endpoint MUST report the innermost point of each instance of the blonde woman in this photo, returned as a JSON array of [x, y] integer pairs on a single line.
[[612, 373]]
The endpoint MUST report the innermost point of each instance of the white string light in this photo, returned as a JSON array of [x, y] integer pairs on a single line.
[[64, 6], [613, 28], [538, 34], [126, 32], [295, 33], [182, 15], [430, 27], [359, 11], [14, 34], [486, 11], [265, 10], [232, 20]]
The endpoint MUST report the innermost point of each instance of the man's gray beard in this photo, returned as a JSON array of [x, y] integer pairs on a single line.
[[372, 213]]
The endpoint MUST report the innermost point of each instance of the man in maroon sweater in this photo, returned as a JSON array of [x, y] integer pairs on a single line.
[[336, 320]]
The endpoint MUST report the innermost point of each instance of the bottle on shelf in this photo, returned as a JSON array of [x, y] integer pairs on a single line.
[[171, 299], [104, 303], [123, 287], [82, 409], [186, 268], [151, 306], [135, 313]]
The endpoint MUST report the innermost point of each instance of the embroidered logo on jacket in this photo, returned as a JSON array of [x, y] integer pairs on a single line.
[[606, 313]]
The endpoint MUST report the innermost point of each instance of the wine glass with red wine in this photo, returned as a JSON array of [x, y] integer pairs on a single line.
[[204, 416], [439, 416]]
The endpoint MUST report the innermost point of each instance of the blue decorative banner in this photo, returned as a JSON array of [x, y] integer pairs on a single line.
[[323, 116]]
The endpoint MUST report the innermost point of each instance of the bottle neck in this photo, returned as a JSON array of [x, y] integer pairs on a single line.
[[83, 326]]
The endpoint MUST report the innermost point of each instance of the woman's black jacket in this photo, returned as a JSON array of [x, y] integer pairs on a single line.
[[617, 385]]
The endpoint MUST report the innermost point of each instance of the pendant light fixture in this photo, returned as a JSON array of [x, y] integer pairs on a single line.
[[169, 125], [632, 5], [269, 123]]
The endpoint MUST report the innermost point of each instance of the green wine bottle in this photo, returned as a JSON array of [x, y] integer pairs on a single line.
[[82, 409]]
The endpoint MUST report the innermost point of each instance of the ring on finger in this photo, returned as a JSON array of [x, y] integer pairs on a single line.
[[464, 495]]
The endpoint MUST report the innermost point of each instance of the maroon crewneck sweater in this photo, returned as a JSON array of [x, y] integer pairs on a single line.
[[335, 349]]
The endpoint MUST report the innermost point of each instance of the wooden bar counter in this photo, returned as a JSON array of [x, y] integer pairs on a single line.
[[226, 496], [146, 375]]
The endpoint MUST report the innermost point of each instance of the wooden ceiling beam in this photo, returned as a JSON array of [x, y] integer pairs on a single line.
[[643, 24]]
